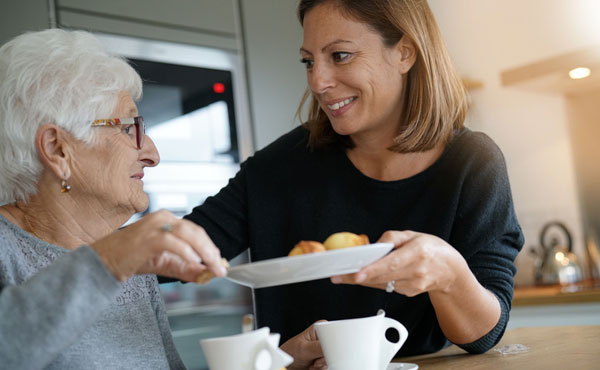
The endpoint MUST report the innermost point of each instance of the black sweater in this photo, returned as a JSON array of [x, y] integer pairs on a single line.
[[286, 193]]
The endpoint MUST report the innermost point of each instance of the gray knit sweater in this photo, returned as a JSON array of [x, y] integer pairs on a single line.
[[63, 309]]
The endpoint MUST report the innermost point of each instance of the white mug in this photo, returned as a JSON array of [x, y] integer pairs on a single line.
[[359, 344], [254, 350]]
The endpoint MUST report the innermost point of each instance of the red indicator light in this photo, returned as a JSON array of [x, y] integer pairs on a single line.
[[219, 88]]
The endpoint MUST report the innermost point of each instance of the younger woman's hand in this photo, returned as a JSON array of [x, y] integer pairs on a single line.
[[420, 263], [306, 350]]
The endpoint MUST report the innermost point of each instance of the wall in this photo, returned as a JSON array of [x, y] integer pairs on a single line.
[[486, 37]]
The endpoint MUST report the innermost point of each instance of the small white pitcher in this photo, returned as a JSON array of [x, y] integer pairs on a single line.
[[254, 350]]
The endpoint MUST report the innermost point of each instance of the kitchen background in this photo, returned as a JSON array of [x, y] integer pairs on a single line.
[[514, 56]]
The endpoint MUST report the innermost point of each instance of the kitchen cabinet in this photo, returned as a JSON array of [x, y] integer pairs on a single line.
[[555, 315], [556, 305], [276, 79], [18, 16], [209, 23], [210, 16]]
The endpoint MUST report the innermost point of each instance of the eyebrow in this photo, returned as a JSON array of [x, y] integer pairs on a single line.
[[338, 41]]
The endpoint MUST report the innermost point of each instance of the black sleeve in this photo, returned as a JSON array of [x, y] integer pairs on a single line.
[[225, 216], [488, 234]]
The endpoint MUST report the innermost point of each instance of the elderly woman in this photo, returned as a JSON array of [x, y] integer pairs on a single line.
[[384, 152], [74, 293]]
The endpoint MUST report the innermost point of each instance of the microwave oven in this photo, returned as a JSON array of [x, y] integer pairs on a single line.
[[195, 106]]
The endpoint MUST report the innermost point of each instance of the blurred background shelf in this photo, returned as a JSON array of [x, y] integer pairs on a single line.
[[584, 292], [556, 305]]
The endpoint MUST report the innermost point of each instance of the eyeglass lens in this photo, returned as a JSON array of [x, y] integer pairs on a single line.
[[140, 131]]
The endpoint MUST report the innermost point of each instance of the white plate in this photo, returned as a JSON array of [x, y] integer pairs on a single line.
[[305, 267], [402, 366]]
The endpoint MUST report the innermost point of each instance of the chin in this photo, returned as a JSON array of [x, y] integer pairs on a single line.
[[342, 129], [141, 203]]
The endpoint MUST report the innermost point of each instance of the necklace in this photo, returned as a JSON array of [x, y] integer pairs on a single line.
[[30, 226]]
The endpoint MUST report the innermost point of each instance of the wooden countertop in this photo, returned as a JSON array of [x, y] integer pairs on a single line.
[[556, 347], [584, 292]]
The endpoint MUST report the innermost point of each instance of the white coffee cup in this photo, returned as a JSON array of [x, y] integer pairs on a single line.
[[359, 344], [254, 350]]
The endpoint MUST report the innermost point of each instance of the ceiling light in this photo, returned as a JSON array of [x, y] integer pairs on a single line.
[[579, 73]]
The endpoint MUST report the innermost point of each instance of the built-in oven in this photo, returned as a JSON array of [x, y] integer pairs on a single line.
[[196, 110]]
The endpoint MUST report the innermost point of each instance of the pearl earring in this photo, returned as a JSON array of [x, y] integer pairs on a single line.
[[64, 187]]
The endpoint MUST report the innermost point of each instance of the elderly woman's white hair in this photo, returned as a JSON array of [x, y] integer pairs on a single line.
[[53, 76]]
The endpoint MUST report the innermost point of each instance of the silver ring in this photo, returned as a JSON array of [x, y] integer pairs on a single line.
[[166, 227], [389, 288]]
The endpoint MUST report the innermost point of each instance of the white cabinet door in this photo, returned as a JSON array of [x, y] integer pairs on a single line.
[[203, 15], [18, 16], [201, 22]]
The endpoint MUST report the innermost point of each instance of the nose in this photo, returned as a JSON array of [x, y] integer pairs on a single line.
[[320, 78], [149, 154]]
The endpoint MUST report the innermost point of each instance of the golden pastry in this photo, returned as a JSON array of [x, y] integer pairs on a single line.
[[207, 275], [344, 240], [306, 246]]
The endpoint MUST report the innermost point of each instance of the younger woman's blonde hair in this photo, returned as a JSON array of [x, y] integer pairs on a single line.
[[435, 102]]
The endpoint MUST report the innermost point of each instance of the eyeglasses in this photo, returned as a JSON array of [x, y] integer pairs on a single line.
[[138, 122]]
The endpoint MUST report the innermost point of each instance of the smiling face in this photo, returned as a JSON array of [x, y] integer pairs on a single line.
[[357, 80], [108, 173]]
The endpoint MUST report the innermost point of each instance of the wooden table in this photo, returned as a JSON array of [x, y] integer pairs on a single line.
[[556, 347]]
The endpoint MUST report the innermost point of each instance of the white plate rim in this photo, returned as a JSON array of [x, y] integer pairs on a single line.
[[303, 257], [402, 366]]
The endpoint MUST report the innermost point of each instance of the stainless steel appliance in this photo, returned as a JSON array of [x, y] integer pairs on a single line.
[[196, 110]]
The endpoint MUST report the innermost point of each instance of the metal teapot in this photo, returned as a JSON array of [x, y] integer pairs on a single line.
[[556, 263]]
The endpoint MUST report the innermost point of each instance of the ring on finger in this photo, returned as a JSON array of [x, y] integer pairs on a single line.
[[167, 227], [390, 287]]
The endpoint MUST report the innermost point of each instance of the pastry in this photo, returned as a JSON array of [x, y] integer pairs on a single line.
[[207, 275], [344, 240], [306, 246]]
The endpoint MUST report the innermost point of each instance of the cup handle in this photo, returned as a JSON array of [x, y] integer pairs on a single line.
[[270, 357], [389, 349]]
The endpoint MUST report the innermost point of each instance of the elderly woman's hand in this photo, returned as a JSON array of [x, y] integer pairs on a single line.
[[420, 263], [160, 243], [306, 350]]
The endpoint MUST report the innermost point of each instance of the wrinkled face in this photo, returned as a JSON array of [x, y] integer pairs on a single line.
[[353, 75], [108, 173]]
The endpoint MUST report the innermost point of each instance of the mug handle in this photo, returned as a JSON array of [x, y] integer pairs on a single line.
[[270, 357], [389, 349]]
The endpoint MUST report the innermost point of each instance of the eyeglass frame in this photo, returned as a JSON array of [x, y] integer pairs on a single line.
[[138, 122]]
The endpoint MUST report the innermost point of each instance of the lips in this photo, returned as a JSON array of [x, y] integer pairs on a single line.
[[138, 176], [338, 107], [340, 103]]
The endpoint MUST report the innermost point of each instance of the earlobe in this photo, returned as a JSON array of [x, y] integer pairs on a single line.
[[52, 146]]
